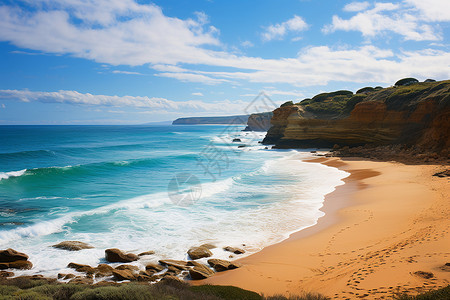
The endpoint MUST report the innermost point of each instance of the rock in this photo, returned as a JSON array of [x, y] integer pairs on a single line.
[[199, 252], [146, 253], [234, 250], [5, 274], [82, 268], [237, 140], [173, 270], [65, 276], [423, 274], [154, 267], [103, 270], [179, 264], [221, 265], [171, 278], [200, 272], [121, 275], [208, 246], [241, 146], [116, 255], [131, 268], [72, 246], [148, 273], [19, 264], [82, 280], [11, 255]]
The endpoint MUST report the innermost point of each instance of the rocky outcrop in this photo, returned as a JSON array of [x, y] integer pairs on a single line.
[[72, 246], [259, 122], [235, 250], [199, 252], [416, 114], [221, 265], [12, 259], [116, 255]]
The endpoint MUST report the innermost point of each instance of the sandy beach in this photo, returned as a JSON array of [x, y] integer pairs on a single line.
[[388, 221]]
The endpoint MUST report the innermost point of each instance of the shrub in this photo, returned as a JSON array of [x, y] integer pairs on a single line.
[[440, 294], [430, 80], [288, 103], [406, 81], [351, 103], [365, 90], [324, 96], [227, 292]]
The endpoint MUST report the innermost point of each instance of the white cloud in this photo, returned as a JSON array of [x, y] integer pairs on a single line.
[[412, 19], [140, 102], [432, 10], [113, 32], [126, 72], [192, 77], [278, 31], [247, 44], [127, 33], [197, 94], [3, 105], [356, 6]]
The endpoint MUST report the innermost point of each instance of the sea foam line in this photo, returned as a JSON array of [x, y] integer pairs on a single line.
[[6, 175]]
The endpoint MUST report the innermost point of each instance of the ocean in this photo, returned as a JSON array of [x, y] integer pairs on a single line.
[[141, 188]]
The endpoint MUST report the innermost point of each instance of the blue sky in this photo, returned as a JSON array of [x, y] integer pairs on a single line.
[[132, 62]]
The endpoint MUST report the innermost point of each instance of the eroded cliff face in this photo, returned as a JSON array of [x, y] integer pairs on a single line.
[[259, 122], [413, 115]]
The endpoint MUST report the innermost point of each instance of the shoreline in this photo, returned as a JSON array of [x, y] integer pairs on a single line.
[[338, 257]]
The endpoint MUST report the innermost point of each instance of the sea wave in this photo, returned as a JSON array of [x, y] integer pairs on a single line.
[[6, 175]]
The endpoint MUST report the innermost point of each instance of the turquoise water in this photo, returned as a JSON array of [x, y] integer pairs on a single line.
[[109, 186]]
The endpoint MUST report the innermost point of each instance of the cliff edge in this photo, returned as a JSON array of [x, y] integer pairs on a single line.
[[412, 114]]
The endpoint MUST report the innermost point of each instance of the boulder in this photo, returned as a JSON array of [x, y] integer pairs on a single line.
[[154, 267], [11, 255], [131, 268], [179, 264], [19, 264], [146, 253], [121, 275], [173, 270], [237, 140], [116, 255], [199, 252], [103, 270], [5, 274], [234, 250], [221, 265], [82, 268], [82, 280], [65, 276], [72, 246], [200, 272]]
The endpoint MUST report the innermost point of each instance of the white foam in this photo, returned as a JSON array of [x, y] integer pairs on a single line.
[[6, 175]]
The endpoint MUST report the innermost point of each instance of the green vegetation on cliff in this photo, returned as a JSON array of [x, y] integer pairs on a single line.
[[332, 105]]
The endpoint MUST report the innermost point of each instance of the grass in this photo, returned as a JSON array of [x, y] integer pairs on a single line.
[[24, 289], [440, 294]]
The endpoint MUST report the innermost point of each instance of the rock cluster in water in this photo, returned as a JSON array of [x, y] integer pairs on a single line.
[[164, 269]]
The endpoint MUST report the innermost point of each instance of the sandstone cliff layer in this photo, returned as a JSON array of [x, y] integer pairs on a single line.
[[259, 122], [417, 114]]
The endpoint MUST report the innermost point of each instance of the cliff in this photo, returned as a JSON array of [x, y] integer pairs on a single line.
[[417, 115], [240, 119], [259, 122]]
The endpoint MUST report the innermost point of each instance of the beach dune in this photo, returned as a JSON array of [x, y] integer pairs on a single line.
[[385, 231]]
